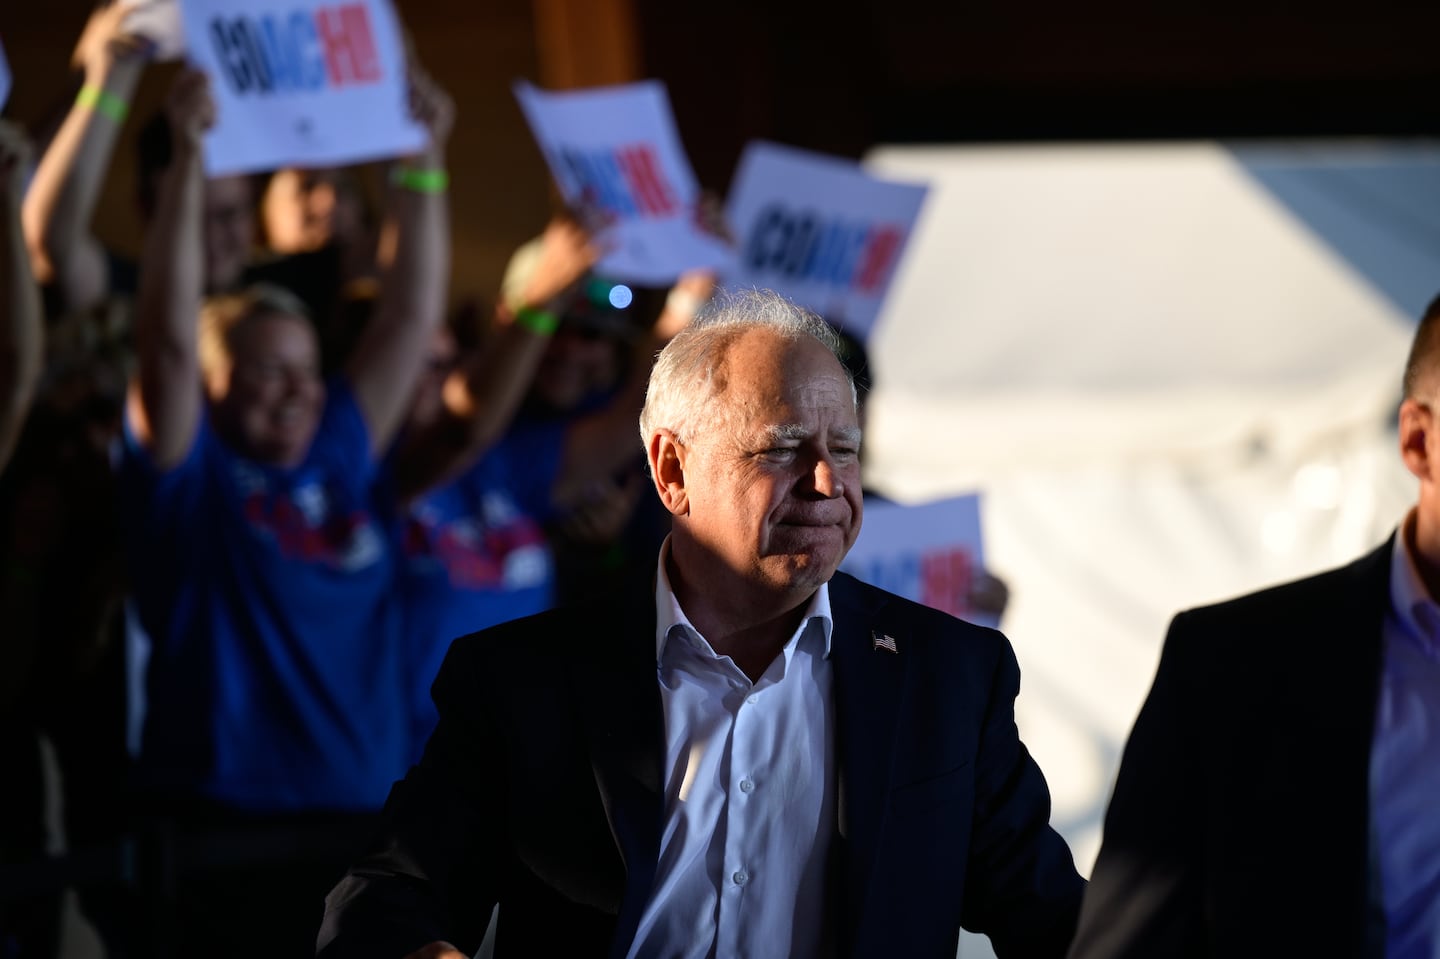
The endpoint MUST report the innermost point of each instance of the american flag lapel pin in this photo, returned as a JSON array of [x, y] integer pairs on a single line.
[[880, 641]]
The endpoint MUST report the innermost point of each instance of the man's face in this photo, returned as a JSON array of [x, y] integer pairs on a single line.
[[772, 476], [229, 231], [271, 402]]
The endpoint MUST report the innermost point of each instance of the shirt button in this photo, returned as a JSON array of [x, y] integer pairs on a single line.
[[746, 785], [753, 700], [741, 877]]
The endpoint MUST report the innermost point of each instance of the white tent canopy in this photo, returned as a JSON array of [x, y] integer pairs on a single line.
[[1172, 371]]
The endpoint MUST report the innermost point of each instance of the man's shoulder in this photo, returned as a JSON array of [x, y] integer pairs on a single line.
[[561, 633], [880, 609], [1315, 595]]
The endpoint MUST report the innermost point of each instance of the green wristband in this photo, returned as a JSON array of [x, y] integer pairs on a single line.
[[420, 181], [104, 103], [539, 322]]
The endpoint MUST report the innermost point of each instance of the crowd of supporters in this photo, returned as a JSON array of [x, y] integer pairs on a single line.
[[253, 485]]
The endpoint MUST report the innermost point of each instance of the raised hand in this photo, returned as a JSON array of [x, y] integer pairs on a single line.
[[190, 107], [105, 43], [567, 252], [431, 106], [692, 291]]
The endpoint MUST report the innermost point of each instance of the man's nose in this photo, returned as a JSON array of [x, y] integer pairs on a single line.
[[826, 479]]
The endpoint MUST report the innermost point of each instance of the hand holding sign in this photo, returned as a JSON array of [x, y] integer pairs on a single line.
[[190, 108], [432, 107], [158, 21], [107, 44], [566, 253]]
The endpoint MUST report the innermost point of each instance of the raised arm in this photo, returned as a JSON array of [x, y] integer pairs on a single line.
[[20, 331], [165, 404], [387, 360], [60, 203], [480, 398]]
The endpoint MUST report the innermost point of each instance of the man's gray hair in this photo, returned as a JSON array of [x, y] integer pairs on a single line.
[[682, 384]]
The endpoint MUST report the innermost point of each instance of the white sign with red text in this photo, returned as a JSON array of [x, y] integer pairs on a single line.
[[616, 149], [820, 230], [301, 82], [930, 553]]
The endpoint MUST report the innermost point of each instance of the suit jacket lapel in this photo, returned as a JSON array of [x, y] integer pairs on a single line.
[[624, 726], [869, 685]]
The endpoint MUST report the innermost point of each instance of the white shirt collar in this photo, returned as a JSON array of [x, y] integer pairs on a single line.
[[668, 613]]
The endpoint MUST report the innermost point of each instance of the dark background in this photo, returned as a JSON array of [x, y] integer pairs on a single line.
[[841, 77]]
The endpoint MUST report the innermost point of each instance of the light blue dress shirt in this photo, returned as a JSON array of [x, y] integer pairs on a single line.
[[1405, 763]]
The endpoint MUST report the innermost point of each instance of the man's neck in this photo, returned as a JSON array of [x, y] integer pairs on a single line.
[[1422, 539], [751, 629]]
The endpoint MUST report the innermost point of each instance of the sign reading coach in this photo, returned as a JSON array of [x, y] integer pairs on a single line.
[[616, 148], [301, 82], [930, 553], [819, 230]]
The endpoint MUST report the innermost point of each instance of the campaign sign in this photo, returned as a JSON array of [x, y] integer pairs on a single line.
[[4, 78], [159, 22], [930, 553], [819, 230], [301, 82], [616, 148]]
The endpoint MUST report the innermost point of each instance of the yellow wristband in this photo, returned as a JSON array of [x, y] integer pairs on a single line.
[[103, 103], [420, 181], [540, 322]]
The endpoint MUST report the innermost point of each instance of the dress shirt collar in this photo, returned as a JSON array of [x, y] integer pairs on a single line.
[[669, 615], [1417, 613]]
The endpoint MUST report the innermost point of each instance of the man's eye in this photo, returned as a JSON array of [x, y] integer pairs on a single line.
[[780, 452]]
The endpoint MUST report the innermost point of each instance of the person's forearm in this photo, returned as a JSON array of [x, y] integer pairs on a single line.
[[20, 328], [413, 294], [479, 402], [61, 200], [416, 282], [171, 286]]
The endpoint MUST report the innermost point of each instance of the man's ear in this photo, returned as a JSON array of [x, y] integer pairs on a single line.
[[1416, 422], [667, 470]]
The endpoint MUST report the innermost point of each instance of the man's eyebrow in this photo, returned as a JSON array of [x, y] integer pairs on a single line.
[[785, 433], [795, 433]]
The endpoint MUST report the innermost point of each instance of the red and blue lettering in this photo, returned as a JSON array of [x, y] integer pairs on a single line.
[[802, 246], [303, 51], [628, 181]]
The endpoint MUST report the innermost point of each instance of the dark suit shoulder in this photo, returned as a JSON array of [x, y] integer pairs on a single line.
[[1316, 600], [536, 648], [888, 612], [1325, 618]]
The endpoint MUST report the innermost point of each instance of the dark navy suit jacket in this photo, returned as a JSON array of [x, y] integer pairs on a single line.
[[1239, 823], [542, 790]]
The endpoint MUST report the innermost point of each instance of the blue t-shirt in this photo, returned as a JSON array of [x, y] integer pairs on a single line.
[[267, 595], [475, 555]]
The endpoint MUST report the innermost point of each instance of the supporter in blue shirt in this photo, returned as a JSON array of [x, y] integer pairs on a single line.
[[262, 572]]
